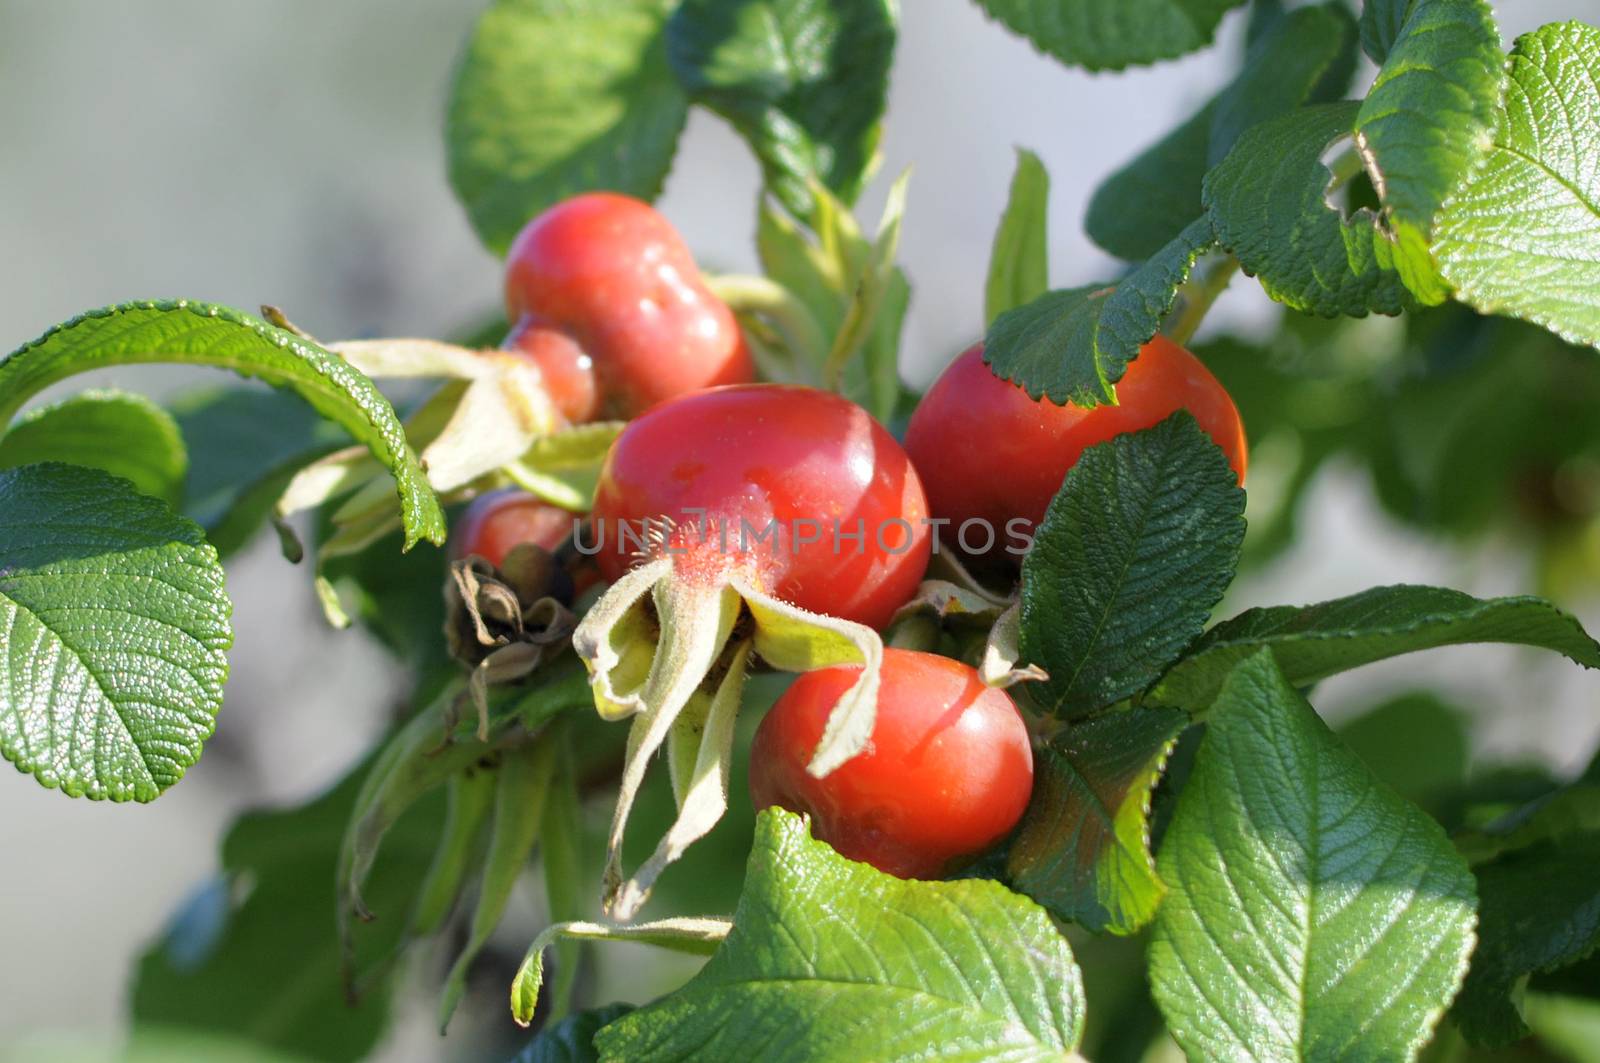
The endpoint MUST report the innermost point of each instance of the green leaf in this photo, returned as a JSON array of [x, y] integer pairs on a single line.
[[1415, 744], [1523, 238], [1137, 211], [1306, 55], [1019, 263], [1426, 123], [113, 634], [832, 960], [1560, 813], [1380, 26], [804, 81], [237, 436], [1083, 849], [191, 333], [1135, 550], [1110, 36], [557, 97], [1541, 911], [122, 434], [1312, 913], [1313, 642], [257, 957], [1072, 345], [572, 1039], [1268, 201], [521, 790]]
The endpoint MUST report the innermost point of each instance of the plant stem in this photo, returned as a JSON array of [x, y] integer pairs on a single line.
[[1196, 297]]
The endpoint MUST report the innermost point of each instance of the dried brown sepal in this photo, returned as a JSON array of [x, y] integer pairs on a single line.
[[504, 623]]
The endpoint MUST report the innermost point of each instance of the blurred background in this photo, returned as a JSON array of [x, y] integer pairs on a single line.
[[291, 153]]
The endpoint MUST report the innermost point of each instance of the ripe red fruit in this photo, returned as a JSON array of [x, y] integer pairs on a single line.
[[948, 772], [612, 274], [499, 521], [988, 452], [565, 369], [808, 468]]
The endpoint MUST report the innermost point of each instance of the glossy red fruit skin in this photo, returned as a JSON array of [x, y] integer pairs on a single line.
[[757, 453], [947, 774], [499, 521], [614, 274], [565, 369], [986, 451]]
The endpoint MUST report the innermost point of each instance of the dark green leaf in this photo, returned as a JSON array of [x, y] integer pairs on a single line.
[[1312, 913], [1380, 26], [805, 82], [270, 974], [1083, 849], [191, 333], [557, 97], [1306, 55], [113, 634], [244, 442], [1541, 911], [1268, 201], [572, 1039], [1072, 345], [1426, 123], [1109, 36], [1313, 642], [1523, 238], [1019, 262], [832, 960], [1415, 744], [1560, 813], [122, 434], [1135, 550], [1140, 208]]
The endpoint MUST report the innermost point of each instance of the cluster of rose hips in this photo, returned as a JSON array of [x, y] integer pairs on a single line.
[[607, 303]]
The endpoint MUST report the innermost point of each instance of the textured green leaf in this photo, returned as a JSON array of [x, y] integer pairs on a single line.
[[805, 82], [1523, 238], [1135, 550], [1305, 56], [1311, 913], [1268, 202], [1541, 911], [191, 333], [572, 1039], [1019, 262], [1110, 36], [113, 634], [1426, 123], [123, 434], [1083, 849], [1313, 642], [1380, 26], [1073, 344], [556, 97], [256, 956], [831, 960]]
